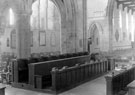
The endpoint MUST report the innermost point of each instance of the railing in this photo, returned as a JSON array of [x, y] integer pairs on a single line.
[[72, 76], [118, 82]]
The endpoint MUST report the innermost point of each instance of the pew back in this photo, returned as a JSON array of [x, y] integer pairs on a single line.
[[72, 76], [44, 68], [118, 82], [19, 70]]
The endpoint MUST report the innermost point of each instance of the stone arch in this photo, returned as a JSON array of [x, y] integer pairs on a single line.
[[95, 27], [67, 10], [51, 43], [99, 26]]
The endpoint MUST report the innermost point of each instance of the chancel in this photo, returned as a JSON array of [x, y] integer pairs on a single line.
[[67, 47]]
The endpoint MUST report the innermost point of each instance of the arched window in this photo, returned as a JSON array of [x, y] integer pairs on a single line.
[[45, 18], [45, 15], [11, 17]]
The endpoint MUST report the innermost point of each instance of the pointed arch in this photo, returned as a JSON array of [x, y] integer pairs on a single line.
[[95, 33]]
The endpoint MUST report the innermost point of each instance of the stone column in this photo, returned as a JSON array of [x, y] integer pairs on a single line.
[[110, 23], [23, 34], [134, 31], [85, 25]]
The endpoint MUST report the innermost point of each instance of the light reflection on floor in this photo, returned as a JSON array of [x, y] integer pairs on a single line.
[[94, 87]]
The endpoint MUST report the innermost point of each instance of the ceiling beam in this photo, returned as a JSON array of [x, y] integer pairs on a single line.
[[130, 4], [125, 1]]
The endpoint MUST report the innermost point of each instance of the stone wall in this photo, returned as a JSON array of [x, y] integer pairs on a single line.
[[70, 37], [96, 14], [122, 28], [76, 20]]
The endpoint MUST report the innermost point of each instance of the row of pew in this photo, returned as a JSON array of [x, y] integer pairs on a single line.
[[119, 81], [41, 75], [20, 68], [68, 77], [55, 57]]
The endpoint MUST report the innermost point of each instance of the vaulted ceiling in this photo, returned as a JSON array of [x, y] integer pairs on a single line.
[[130, 4]]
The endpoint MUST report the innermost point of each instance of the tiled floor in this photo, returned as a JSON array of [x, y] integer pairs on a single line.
[[94, 87]]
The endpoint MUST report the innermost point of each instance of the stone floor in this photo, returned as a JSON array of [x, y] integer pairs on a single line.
[[94, 87]]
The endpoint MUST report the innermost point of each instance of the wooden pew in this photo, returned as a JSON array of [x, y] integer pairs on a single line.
[[118, 81], [66, 78], [20, 66], [44, 68], [19, 70], [39, 73]]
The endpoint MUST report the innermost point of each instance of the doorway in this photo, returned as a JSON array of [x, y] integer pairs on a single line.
[[95, 40]]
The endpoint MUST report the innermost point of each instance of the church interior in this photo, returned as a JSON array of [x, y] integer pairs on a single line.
[[67, 47]]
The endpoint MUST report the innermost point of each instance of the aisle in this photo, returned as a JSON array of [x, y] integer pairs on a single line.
[[94, 87]]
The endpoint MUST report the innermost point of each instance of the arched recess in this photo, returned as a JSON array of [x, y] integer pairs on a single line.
[[68, 24], [95, 33], [68, 10], [8, 9], [61, 5], [46, 23]]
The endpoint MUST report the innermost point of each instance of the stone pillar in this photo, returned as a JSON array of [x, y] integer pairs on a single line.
[[134, 31], [23, 34], [85, 25], [110, 23]]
